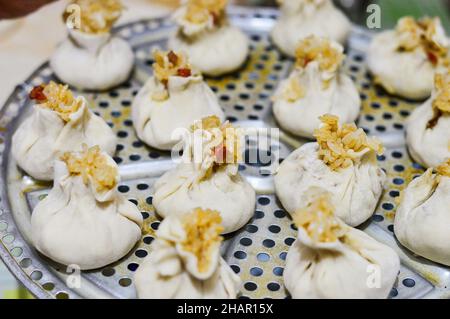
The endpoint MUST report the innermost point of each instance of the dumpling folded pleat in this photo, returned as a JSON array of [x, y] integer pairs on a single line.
[[343, 162], [172, 100], [185, 261], [302, 18], [332, 260], [422, 219], [405, 60], [204, 33], [316, 86], [91, 58], [207, 181], [84, 220], [427, 131], [59, 122]]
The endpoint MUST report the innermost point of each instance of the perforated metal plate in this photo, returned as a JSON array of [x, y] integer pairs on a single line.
[[257, 252]]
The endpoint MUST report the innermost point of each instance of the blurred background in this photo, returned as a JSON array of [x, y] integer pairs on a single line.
[[391, 11], [355, 9]]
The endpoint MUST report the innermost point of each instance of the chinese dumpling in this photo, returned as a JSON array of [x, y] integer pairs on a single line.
[[342, 161], [185, 261], [422, 219], [315, 87], [204, 33], [332, 260], [404, 60], [92, 58], [84, 220], [172, 99], [58, 122], [208, 177], [302, 18], [428, 129]]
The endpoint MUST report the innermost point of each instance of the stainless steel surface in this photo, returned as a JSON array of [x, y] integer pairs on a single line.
[[256, 252]]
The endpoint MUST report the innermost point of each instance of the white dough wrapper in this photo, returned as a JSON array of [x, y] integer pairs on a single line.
[[300, 19], [212, 49], [428, 127], [190, 99], [422, 219], [78, 225], [43, 136], [428, 146], [92, 61], [215, 52], [179, 191], [301, 117], [353, 267], [170, 272], [355, 191], [407, 74]]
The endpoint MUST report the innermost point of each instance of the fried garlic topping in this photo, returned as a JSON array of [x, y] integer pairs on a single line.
[[422, 33], [207, 123], [294, 91], [318, 220], [199, 11], [203, 229], [226, 149], [97, 16], [442, 100], [441, 103], [313, 48], [169, 64], [341, 146], [90, 162], [56, 97], [444, 168]]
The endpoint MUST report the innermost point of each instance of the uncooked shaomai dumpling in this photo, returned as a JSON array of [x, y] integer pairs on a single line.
[[343, 161], [405, 60], [302, 18], [213, 45], [332, 260], [185, 261], [422, 219], [172, 99], [428, 129], [91, 57], [316, 86], [208, 177], [58, 122], [84, 220]]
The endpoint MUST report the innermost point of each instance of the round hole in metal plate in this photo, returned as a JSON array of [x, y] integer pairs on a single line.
[[263, 257], [8, 239], [3, 226], [236, 268], [240, 254], [245, 241], [16, 252], [49, 286], [62, 295], [36, 275], [273, 286], [250, 286], [256, 271], [25, 263], [278, 271], [108, 272], [393, 293], [125, 282]]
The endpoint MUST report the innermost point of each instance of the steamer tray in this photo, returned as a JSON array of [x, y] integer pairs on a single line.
[[257, 252]]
